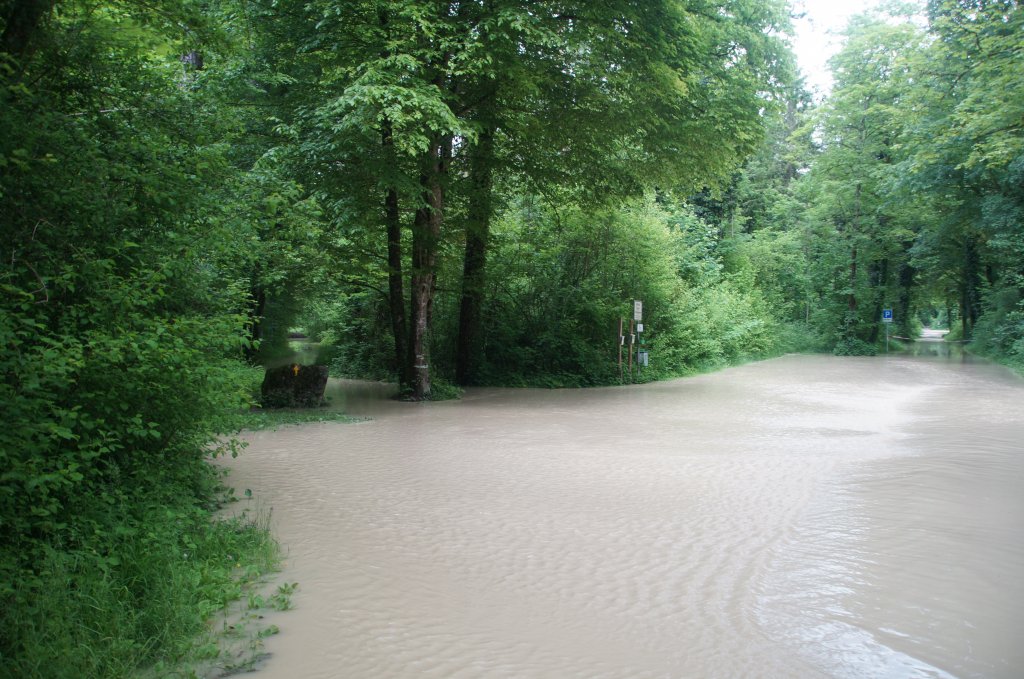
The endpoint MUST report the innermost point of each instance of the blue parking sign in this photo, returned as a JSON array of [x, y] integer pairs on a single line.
[[887, 315]]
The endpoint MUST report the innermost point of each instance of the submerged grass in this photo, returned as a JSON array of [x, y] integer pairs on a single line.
[[260, 419]]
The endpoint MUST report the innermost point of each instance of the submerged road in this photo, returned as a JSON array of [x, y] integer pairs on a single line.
[[807, 516]]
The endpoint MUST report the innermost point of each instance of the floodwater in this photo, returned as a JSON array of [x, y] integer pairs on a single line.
[[807, 516]]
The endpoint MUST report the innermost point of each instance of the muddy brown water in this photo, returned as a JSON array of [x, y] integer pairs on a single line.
[[807, 516]]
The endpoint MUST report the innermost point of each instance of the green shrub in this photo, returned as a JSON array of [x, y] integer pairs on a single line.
[[133, 598], [121, 321], [854, 347], [440, 390]]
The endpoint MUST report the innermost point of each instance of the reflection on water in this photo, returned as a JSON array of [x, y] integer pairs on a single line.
[[358, 397], [910, 557], [932, 344], [803, 517], [947, 350]]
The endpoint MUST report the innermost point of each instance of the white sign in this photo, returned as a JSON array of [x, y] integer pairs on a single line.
[[639, 327], [638, 310]]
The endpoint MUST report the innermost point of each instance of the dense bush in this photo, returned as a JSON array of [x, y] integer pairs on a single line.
[[136, 597], [121, 325], [999, 333], [353, 329], [852, 346], [561, 279]]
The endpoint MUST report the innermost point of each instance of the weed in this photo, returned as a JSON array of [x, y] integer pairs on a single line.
[[144, 608], [282, 599], [258, 419]]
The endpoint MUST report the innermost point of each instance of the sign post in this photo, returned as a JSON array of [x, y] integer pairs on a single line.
[[622, 341], [641, 355], [887, 319], [632, 340]]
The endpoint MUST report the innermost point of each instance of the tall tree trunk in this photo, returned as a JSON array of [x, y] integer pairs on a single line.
[[970, 297], [906, 280], [393, 228], [850, 331], [478, 224], [20, 23], [256, 314], [396, 293], [851, 297], [880, 290], [426, 236]]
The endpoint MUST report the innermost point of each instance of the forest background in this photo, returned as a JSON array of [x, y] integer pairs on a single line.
[[439, 193]]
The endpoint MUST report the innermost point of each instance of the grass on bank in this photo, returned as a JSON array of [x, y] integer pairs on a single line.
[[258, 419], [136, 602], [153, 581]]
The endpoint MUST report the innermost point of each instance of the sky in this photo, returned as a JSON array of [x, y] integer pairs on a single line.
[[817, 36]]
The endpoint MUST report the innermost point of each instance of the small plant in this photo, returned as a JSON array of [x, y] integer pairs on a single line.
[[281, 600], [268, 631]]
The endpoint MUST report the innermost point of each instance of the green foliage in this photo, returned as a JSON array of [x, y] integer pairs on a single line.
[[964, 161], [776, 264], [717, 325], [794, 338], [133, 598], [858, 233], [561, 283], [442, 390], [259, 419], [999, 333], [563, 280], [594, 99], [912, 199], [355, 327], [121, 323], [851, 346]]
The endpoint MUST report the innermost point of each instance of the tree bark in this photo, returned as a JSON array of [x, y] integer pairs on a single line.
[[879, 287], [396, 292], [851, 298], [426, 236], [907, 278], [257, 311], [474, 275], [20, 24], [970, 298]]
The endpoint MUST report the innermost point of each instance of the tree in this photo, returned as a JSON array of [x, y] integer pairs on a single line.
[[863, 233], [967, 151], [121, 324], [433, 99], [693, 115]]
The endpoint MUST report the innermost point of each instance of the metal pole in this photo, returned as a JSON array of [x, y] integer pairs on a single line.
[[630, 350], [620, 340]]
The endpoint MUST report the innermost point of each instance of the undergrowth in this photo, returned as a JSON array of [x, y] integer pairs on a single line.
[[136, 600], [259, 419]]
